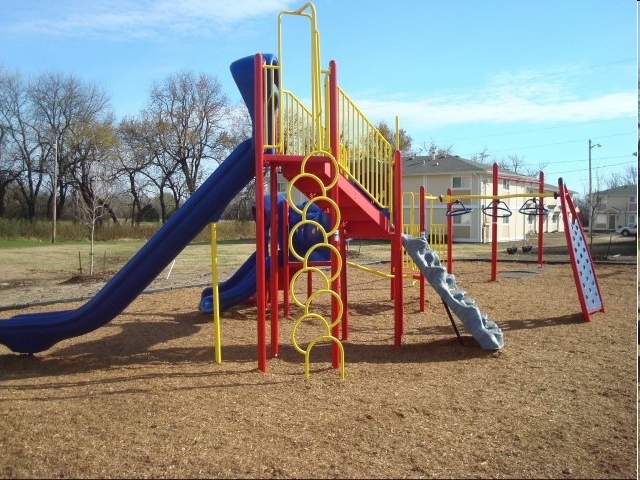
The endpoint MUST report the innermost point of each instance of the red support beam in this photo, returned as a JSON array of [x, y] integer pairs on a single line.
[[540, 219], [396, 250], [273, 261], [258, 142], [494, 227]]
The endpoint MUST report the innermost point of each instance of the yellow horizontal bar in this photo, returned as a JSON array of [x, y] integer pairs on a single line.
[[371, 270], [452, 198]]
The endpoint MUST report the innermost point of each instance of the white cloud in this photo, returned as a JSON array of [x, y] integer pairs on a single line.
[[501, 107], [126, 19], [567, 94]]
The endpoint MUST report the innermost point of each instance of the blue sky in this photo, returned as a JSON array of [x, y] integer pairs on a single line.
[[532, 79]]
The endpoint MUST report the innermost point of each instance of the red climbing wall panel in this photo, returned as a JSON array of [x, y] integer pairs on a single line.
[[580, 255]]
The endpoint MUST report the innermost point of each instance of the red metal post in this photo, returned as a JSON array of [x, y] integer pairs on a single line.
[[396, 249], [337, 241], [423, 230], [260, 226], [540, 220], [449, 234], [273, 261], [494, 226]]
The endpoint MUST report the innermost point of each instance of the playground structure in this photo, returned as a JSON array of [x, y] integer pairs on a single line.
[[441, 235], [241, 286], [352, 177]]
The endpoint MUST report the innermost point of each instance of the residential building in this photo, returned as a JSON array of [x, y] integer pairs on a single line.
[[467, 177], [438, 174], [615, 207]]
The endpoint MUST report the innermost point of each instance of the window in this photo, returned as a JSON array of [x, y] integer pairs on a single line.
[[505, 220], [632, 199], [505, 184], [461, 219], [460, 182]]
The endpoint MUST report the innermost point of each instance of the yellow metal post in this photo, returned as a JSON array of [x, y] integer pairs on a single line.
[[216, 296]]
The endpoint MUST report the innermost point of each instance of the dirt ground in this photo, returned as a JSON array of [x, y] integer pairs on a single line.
[[143, 397]]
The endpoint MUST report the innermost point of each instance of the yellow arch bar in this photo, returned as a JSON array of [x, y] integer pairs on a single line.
[[452, 198], [302, 318], [312, 344]]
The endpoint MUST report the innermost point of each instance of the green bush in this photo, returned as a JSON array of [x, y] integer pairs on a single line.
[[70, 231], [229, 230]]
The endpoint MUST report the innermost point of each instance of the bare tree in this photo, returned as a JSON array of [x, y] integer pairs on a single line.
[[240, 130], [629, 176], [41, 117], [390, 136], [25, 149], [67, 109], [434, 150], [592, 202], [92, 199], [513, 163], [94, 150], [483, 156], [132, 161], [9, 171], [517, 164], [189, 116], [160, 169]]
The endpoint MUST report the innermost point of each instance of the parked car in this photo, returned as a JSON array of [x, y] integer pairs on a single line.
[[628, 230]]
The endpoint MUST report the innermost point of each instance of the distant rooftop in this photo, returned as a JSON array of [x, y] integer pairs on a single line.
[[453, 164]]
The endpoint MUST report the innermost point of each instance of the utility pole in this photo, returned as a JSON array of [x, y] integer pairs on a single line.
[[591, 207]]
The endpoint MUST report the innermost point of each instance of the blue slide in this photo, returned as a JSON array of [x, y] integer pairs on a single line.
[[236, 289], [242, 284], [31, 333]]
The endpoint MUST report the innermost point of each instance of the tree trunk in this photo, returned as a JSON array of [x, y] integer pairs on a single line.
[[92, 234]]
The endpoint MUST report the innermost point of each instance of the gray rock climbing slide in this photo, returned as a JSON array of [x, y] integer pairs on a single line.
[[485, 331]]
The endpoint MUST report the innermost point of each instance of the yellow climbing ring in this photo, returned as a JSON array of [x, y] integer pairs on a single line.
[[307, 304], [306, 268], [305, 318], [331, 293], [325, 237], [323, 153], [292, 184], [335, 276], [335, 207], [323, 338], [295, 278]]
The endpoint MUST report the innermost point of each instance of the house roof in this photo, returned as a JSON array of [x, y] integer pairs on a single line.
[[610, 210], [453, 164], [624, 190], [442, 164]]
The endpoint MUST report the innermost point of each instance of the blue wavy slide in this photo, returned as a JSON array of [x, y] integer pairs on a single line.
[[31, 333], [236, 289]]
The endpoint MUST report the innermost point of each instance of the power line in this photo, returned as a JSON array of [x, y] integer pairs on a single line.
[[542, 129], [489, 151], [585, 169], [577, 160]]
